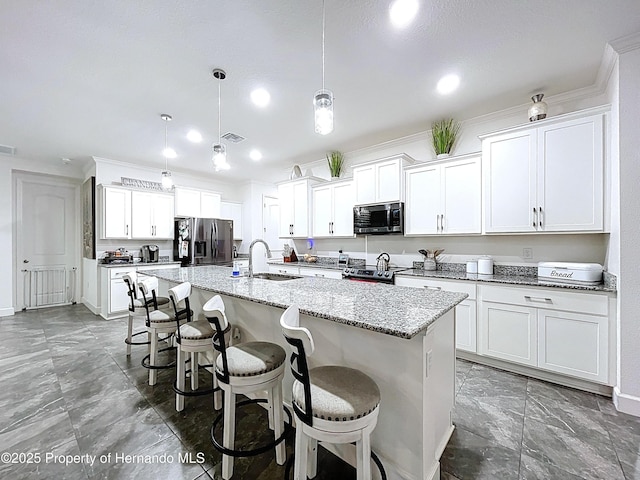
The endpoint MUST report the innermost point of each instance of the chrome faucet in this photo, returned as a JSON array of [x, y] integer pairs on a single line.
[[257, 240]]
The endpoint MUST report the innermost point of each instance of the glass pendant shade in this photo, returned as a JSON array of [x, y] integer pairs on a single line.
[[167, 181], [323, 110], [538, 110], [220, 157]]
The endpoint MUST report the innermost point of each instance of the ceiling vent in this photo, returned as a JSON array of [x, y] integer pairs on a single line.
[[232, 137], [7, 150]]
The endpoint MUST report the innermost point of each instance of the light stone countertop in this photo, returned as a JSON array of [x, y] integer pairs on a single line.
[[398, 311], [136, 264]]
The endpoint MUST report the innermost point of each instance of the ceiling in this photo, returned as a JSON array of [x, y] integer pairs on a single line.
[[91, 77]]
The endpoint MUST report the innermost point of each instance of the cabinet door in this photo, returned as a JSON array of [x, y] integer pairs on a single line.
[[388, 181], [209, 205], [570, 175], [163, 216], [300, 209], [141, 214], [118, 296], [342, 210], [461, 197], [285, 196], [322, 211], [116, 213], [466, 326], [509, 170], [574, 344], [364, 179], [284, 269], [233, 211], [423, 201], [320, 272], [508, 332], [187, 202]]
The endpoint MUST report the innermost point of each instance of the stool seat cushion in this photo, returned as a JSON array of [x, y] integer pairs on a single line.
[[252, 358], [139, 302], [339, 394], [196, 330]]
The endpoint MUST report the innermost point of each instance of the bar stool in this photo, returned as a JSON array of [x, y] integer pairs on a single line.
[[332, 404], [158, 322], [192, 337], [137, 311], [243, 369]]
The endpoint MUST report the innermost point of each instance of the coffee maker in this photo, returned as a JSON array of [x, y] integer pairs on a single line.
[[149, 253]]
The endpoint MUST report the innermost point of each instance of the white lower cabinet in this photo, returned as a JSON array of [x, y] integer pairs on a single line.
[[284, 269], [559, 331], [466, 315], [320, 272]]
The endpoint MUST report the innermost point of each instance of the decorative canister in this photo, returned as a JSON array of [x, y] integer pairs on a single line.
[[429, 264], [472, 266], [538, 110], [485, 265]]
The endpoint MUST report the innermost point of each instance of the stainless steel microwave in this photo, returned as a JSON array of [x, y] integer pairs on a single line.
[[378, 219]]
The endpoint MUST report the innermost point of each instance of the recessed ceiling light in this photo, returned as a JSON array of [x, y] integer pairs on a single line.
[[255, 155], [448, 84], [402, 12], [169, 152], [194, 136], [260, 97]]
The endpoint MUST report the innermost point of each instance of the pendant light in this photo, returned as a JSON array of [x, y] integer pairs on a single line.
[[168, 152], [323, 99], [219, 149]]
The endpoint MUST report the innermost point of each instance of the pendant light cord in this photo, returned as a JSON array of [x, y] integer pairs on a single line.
[[166, 159], [323, 23], [219, 108]]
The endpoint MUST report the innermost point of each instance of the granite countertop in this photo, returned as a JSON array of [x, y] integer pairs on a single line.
[[330, 266], [135, 264], [398, 311], [527, 280]]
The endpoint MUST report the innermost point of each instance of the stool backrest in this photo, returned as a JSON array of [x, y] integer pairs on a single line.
[[130, 280], [213, 311], [179, 296], [301, 342], [148, 287]]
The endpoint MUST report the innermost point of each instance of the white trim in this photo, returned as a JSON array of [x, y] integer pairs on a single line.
[[627, 43], [7, 312], [626, 403], [92, 308]]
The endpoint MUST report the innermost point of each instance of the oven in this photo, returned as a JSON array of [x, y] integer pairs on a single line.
[[368, 275]]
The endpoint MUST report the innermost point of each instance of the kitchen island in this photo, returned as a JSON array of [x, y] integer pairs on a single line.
[[402, 337]]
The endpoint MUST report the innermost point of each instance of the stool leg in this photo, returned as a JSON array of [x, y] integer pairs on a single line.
[[270, 407], [194, 370], [217, 396], [300, 463], [180, 378], [312, 461], [129, 335], [363, 454], [229, 432], [153, 357], [278, 423]]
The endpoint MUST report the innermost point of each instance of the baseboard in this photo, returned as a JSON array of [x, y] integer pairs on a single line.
[[626, 403], [95, 310], [7, 312]]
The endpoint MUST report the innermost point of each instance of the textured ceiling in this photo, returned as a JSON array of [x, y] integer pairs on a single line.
[[91, 78]]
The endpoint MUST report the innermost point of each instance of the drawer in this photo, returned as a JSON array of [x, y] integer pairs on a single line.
[[320, 272], [115, 273], [159, 266], [286, 270], [546, 298], [436, 284]]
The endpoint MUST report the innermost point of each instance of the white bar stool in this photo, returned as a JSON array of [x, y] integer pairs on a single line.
[[243, 369], [137, 311], [192, 337], [332, 404]]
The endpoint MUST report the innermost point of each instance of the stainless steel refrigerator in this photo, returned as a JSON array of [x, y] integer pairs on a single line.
[[203, 241]]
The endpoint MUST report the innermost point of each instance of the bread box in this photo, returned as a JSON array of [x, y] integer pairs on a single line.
[[568, 272]]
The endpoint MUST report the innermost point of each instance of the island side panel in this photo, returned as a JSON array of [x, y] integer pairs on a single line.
[[394, 363]]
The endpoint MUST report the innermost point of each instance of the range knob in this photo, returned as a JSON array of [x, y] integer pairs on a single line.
[[379, 274], [386, 274]]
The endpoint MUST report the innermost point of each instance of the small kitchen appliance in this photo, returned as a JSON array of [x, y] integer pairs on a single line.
[[343, 259], [378, 219], [116, 257], [570, 273], [150, 253], [382, 262]]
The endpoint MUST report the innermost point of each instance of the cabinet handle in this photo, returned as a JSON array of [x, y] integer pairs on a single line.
[[126, 230], [429, 287], [437, 223], [540, 216], [535, 217], [319, 275], [442, 223], [529, 298]]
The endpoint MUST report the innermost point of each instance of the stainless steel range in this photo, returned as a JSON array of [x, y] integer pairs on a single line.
[[370, 274]]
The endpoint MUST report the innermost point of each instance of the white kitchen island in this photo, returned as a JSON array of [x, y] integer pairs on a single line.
[[403, 338]]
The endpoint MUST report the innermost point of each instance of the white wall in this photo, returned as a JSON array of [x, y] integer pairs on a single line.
[[627, 390]]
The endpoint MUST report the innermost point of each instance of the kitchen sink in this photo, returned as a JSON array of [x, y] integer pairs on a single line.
[[279, 277]]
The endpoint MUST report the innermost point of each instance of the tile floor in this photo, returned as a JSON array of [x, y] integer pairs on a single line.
[[68, 389]]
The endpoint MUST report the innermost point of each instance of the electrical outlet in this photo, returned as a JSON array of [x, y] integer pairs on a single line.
[[527, 253]]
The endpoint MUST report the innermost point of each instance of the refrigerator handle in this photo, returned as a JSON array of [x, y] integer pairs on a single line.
[[215, 232]]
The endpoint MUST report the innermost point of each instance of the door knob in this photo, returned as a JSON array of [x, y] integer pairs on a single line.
[[25, 261]]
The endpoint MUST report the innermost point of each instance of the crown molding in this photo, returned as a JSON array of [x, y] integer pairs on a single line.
[[627, 43]]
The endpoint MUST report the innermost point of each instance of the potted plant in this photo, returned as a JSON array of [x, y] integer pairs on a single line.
[[444, 134], [335, 160]]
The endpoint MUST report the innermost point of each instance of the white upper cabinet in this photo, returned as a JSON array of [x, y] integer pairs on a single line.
[[333, 210], [380, 181], [545, 178], [444, 197], [295, 206], [116, 213], [191, 202], [233, 211], [151, 215]]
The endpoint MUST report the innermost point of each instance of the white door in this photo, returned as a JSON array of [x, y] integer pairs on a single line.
[[423, 201], [342, 210], [364, 179], [271, 222], [210, 206], [285, 196], [388, 181], [322, 211], [116, 213], [163, 206], [461, 197], [141, 216], [47, 242], [300, 209], [466, 326]]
